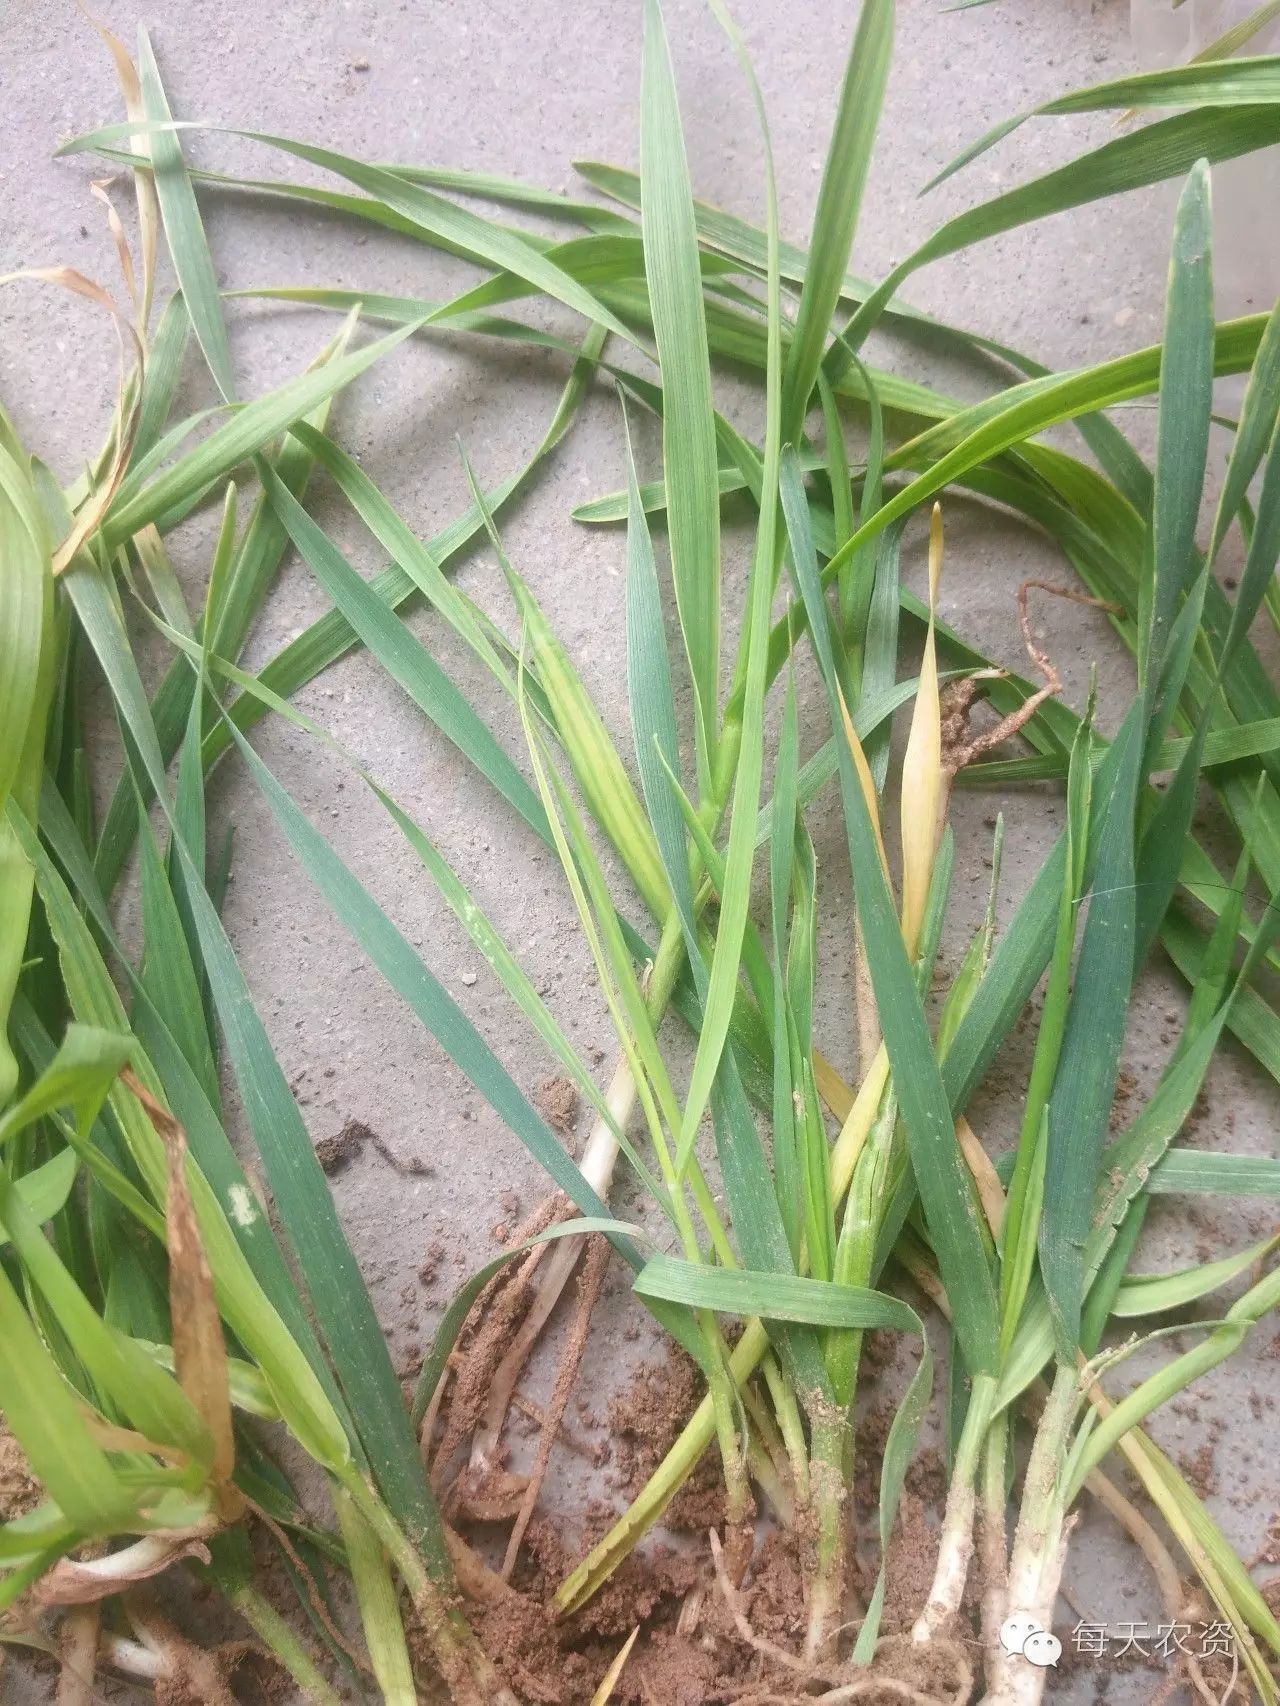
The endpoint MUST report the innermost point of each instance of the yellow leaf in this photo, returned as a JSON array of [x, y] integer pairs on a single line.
[[985, 1177], [858, 1122], [831, 1086], [610, 1681], [922, 768], [865, 778]]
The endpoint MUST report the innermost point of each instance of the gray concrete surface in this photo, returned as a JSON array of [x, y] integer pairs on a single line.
[[524, 89]]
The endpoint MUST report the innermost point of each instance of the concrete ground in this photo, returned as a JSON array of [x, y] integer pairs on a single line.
[[524, 90]]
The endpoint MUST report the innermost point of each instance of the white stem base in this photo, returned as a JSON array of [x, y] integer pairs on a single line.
[[955, 1553]]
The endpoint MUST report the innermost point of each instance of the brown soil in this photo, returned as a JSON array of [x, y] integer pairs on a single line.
[[336, 1153], [690, 1653], [913, 1552], [557, 1100], [643, 1424], [19, 1490], [703, 1643]]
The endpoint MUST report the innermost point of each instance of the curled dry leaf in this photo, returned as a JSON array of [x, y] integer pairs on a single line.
[[99, 189], [199, 1350], [81, 1581], [104, 490], [144, 183]]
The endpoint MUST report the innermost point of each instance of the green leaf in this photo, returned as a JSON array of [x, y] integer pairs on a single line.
[[942, 1178], [247, 579], [782, 848], [403, 655], [688, 424], [984, 430], [44, 1415], [742, 751], [87, 1063], [434, 217], [1200, 1172], [123, 1373], [26, 681], [653, 711], [168, 974], [188, 246], [880, 649], [1225, 1339], [775, 1296], [408, 975], [168, 347], [598, 769], [1167, 149], [1154, 1294], [301, 1191], [45, 1189], [1021, 1227], [306, 1208], [514, 979], [1085, 1085], [421, 561], [1186, 403], [328, 638], [835, 217], [256, 1308], [250, 428], [1235, 83]]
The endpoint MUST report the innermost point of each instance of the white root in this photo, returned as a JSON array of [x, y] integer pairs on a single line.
[[132, 1658], [78, 1581], [172, 1656]]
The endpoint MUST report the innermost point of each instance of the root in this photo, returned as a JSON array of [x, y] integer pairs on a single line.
[[960, 747], [599, 1157], [588, 1292], [77, 1655], [77, 1581], [900, 1671], [733, 1601], [555, 1276], [922, 1686], [474, 1576], [314, 1598], [1172, 1592], [184, 1674], [494, 1317]]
